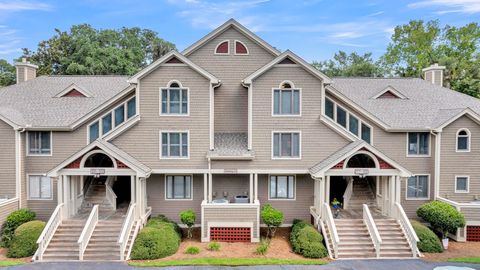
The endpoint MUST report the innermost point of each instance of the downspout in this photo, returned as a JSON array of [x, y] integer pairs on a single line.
[[438, 138], [18, 164]]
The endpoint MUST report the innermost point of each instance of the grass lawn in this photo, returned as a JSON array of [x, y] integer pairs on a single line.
[[466, 260], [10, 263], [229, 262]]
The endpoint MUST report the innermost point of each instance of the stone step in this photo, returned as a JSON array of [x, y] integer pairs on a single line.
[[356, 254], [394, 254]]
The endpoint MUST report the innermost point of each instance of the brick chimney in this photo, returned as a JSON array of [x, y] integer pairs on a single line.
[[434, 74], [25, 70]]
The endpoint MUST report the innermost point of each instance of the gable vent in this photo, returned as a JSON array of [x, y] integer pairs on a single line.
[[287, 61], [74, 90], [174, 60], [74, 93], [389, 93]]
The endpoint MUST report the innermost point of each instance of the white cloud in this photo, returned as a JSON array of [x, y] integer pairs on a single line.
[[14, 6], [449, 6]]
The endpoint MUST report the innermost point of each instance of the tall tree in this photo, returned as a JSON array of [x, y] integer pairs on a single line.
[[7, 73], [353, 64], [419, 44], [84, 50]]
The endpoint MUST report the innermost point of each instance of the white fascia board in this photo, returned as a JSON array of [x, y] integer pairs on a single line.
[[469, 112]]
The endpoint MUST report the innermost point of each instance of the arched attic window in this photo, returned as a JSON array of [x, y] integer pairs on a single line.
[[361, 160], [223, 48], [98, 160], [463, 140], [286, 85], [240, 48]]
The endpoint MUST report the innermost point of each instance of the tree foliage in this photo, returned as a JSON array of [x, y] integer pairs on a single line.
[[349, 65], [84, 50], [7, 73]]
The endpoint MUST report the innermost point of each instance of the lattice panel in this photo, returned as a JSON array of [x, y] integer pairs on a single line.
[[473, 233], [230, 234]]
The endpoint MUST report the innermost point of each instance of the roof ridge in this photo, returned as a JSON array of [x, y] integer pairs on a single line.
[[376, 78], [97, 75]]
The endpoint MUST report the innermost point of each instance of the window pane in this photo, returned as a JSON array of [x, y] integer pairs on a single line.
[[291, 187], [45, 188], [169, 187], [188, 187], [412, 187], [353, 124], [164, 144], [184, 144], [106, 124], [184, 101], [273, 186], [119, 115], [296, 145], [296, 102], [45, 142], [94, 131], [286, 140], [34, 187], [276, 102], [131, 108], [178, 187], [329, 108], [422, 186], [174, 101], [366, 133], [33, 143], [341, 117], [462, 143], [174, 138], [423, 143], [461, 184], [412, 143], [276, 144], [164, 101], [282, 187], [286, 102]]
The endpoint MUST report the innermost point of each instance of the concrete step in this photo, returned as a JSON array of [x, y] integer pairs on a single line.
[[356, 254]]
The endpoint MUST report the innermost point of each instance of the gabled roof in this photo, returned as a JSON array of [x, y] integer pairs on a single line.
[[111, 150], [320, 168], [167, 57], [450, 116], [74, 87], [222, 28], [294, 58]]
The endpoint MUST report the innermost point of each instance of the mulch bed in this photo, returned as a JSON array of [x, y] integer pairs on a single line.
[[455, 250], [3, 257]]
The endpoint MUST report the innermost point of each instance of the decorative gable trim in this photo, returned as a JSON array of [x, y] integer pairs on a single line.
[[174, 60], [286, 61], [74, 90], [389, 92]]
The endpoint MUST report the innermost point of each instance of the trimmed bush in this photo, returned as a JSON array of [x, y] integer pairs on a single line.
[[306, 240], [442, 217], [24, 241], [192, 250], [272, 217], [14, 220], [161, 221], [156, 241], [188, 218], [262, 247], [213, 246], [429, 242]]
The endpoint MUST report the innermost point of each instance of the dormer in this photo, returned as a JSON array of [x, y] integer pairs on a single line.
[[74, 90], [389, 93]]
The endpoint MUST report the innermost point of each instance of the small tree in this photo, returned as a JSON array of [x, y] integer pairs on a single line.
[[188, 218], [272, 217], [442, 217]]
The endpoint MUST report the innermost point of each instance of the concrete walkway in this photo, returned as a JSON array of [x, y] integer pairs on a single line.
[[337, 265]]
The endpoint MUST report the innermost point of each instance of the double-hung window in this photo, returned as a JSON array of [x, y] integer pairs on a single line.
[[174, 144], [286, 100], [178, 187], [39, 187], [39, 143], [418, 143], [462, 184], [286, 145], [418, 187], [282, 187], [174, 100]]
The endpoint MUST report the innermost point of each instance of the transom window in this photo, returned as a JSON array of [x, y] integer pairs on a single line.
[[282, 187], [174, 99], [286, 100], [39, 187], [463, 140], [418, 143], [178, 187], [348, 121], [112, 119], [174, 145], [39, 143], [462, 184], [286, 145], [417, 187]]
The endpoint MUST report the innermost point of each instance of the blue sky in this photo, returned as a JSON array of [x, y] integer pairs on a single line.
[[314, 29]]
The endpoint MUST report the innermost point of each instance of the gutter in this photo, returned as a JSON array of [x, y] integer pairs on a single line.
[[438, 138]]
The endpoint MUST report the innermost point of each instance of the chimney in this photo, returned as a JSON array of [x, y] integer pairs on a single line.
[[25, 70], [434, 74]]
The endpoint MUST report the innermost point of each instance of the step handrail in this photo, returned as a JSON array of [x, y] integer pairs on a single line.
[[407, 228], [372, 229], [87, 232], [331, 228], [126, 229], [110, 194], [348, 194], [138, 226], [47, 234]]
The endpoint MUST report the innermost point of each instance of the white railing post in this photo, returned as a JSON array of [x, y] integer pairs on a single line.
[[372, 229], [331, 228], [407, 228], [128, 223], [348, 194], [87, 232], [49, 230]]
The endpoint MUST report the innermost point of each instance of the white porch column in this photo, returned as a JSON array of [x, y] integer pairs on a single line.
[[256, 186], [138, 196], [250, 193], [60, 189], [327, 189], [398, 185], [82, 183], [66, 195], [205, 186], [210, 188], [132, 190], [391, 193]]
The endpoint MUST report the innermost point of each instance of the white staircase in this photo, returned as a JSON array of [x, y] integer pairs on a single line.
[[63, 246], [355, 241], [394, 242], [96, 194], [362, 194]]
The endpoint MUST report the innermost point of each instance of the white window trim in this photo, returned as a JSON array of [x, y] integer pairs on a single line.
[[165, 186], [292, 89], [28, 154], [174, 131], [28, 187], [347, 129], [418, 199], [235, 48], [181, 87], [468, 184], [299, 147], [221, 42], [294, 188], [469, 137], [420, 155]]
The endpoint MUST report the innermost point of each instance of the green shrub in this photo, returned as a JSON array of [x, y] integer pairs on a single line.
[[213, 246], [188, 218], [272, 217], [262, 247], [24, 242], [155, 242], [429, 241], [306, 240], [192, 250], [14, 220], [161, 221], [442, 217]]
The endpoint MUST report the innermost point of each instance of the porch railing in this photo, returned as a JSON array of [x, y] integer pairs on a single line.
[[110, 194], [87, 232], [407, 228], [128, 223], [372, 229], [49, 230], [348, 194], [332, 229]]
